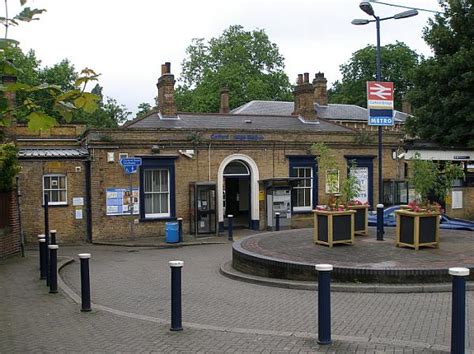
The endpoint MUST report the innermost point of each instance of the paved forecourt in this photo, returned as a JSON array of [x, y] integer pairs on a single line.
[[131, 296]]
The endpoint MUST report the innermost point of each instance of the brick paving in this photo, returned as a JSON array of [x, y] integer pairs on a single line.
[[456, 247], [219, 314]]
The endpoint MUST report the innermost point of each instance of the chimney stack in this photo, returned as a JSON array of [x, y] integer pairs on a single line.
[[304, 99], [406, 106], [320, 89], [224, 93], [166, 102]]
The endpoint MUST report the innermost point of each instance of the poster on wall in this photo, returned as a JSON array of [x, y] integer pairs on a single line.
[[362, 175], [118, 201]]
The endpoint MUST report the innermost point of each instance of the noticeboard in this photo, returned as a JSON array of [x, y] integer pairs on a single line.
[[118, 201]]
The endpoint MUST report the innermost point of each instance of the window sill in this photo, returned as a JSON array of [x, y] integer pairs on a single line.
[[302, 211], [56, 205], [169, 218]]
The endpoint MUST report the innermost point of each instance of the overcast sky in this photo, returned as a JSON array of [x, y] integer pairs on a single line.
[[127, 41]]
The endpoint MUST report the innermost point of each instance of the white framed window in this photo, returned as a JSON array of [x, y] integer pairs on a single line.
[[55, 186], [156, 191], [123, 155], [303, 190]]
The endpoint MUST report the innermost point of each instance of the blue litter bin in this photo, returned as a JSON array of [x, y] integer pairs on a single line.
[[172, 232]]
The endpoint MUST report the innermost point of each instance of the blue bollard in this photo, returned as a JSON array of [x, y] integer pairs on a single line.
[[324, 303], [176, 314], [85, 282], [53, 269], [42, 255], [277, 221], [180, 229], [458, 321], [230, 231], [53, 237], [380, 230]]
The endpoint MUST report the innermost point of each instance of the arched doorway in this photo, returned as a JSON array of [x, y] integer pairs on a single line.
[[237, 191]]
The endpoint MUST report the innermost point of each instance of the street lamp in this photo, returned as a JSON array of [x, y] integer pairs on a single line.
[[368, 9]]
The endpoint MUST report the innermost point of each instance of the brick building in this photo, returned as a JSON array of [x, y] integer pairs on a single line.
[[249, 162]]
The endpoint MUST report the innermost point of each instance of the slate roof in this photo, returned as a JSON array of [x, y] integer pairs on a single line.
[[61, 153], [247, 122], [330, 112]]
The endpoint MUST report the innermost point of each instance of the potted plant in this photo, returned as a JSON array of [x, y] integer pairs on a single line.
[[334, 222], [418, 222]]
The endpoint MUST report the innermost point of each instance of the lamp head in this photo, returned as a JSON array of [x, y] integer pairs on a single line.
[[367, 8], [405, 14], [359, 21]]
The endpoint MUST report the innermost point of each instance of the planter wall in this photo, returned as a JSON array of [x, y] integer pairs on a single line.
[[415, 229], [331, 227], [361, 219]]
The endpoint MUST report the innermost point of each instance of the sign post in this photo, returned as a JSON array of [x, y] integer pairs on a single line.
[[130, 165], [380, 103]]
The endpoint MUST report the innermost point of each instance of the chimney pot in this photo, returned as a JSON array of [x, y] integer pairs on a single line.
[[306, 78], [299, 81]]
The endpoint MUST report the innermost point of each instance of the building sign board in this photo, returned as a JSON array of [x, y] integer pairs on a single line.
[[239, 137], [380, 103]]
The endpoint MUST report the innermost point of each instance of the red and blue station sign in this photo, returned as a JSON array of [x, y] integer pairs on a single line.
[[380, 103]]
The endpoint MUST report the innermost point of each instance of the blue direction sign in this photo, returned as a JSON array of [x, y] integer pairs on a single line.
[[130, 164]]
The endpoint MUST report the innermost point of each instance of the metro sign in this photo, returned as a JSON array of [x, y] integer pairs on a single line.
[[380, 103]]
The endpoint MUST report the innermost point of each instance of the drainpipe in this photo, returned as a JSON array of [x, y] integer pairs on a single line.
[[22, 235], [209, 161], [87, 165]]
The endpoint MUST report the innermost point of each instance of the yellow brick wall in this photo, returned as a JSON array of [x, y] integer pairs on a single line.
[[61, 218]]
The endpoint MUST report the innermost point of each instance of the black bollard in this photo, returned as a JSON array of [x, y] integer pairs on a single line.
[[324, 303], [85, 282], [53, 237], [180, 229], [230, 231], [42, 248], [380, 218], [176, 324], [458, 320], [277, 221], [53, 269]]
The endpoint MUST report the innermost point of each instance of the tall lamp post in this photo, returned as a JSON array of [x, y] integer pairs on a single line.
[[367, 8]]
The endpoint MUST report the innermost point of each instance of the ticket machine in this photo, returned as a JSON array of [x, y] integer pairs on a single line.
[[278, 200]]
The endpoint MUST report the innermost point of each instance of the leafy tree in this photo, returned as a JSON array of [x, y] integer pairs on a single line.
[[397, 64], [143, 108], [109, 113], [36, 100], [443, 96], [8, 166], [246, 61]]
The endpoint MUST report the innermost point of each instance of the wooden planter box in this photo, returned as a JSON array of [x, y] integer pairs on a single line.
[[332, 227], [415, 229], [361, 219]]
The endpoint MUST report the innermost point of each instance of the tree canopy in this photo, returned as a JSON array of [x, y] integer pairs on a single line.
[[397, 64], [443, 95], [246, 61], [63, 75]]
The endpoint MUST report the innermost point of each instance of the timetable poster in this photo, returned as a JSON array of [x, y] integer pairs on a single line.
[[118, 201]]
